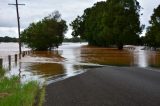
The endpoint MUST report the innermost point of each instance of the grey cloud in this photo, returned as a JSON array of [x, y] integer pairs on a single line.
[[148, 7], [35, 10], [8, 31]]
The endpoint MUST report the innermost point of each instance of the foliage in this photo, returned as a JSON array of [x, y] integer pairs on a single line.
[[2, 72], [8, 39], [142, 41], [113, 22], [153, 32], [46, 33], [13, 92]]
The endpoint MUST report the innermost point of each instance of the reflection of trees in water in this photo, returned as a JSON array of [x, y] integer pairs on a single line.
[[47, 69], [111, 56], [158, 59], [56, 54], [107, 56], [155, 59]]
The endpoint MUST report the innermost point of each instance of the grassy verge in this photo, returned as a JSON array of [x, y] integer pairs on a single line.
[[2, 72], [42, 96], [13, 93]]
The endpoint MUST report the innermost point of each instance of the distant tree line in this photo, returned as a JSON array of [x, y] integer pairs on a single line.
[[8, 39], [74, 39], [45, 34]]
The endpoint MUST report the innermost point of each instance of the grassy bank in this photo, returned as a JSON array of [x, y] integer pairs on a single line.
[[14, 93]]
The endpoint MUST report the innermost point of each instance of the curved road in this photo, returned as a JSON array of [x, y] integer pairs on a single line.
[[107, 86]]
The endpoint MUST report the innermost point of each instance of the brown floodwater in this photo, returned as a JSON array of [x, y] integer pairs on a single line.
[[127, 57], [74, 58], [106, 56]]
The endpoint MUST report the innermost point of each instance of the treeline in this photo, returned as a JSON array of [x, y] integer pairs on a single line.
[[116, 22], [8, 39], [74, 39]]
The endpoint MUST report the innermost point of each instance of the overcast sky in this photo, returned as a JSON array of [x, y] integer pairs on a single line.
[[35, 10]]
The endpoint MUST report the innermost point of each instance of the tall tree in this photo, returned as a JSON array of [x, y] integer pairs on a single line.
[[77, 25], [153, 31], [126, 23], [46, 33], [114, 22]]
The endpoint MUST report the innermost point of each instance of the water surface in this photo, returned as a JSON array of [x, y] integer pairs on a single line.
[[74, 58]]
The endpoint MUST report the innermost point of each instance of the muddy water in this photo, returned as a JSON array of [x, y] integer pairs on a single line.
[[74, 58], [127, 57], [107, 56]]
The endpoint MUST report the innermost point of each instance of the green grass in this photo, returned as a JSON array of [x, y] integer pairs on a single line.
[[14, 93], [42, 96], [2, 72]]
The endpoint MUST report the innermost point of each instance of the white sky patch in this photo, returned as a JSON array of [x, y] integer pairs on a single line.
[[8, 31], [68, 34], [148, 7], [35, 10]]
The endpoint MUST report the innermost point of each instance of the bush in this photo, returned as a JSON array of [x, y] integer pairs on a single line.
[[46, 33]]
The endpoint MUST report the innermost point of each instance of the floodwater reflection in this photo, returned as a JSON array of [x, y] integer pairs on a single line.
[[154, 59], [141, 57], [111, 56], [146, 58], [46, 69], [74, 58], [107, 56]]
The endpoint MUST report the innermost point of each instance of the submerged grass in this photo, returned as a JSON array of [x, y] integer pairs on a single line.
[[14, 93]]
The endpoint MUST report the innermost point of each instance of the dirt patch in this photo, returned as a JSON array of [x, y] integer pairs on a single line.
[[2, 95]]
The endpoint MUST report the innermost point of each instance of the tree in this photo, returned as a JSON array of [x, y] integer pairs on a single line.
[[114, 22], [126, 24], [77, 25], [46, 33], [8, 39], [153, 31]]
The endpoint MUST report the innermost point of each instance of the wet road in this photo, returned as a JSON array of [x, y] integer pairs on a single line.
[[107, 86]]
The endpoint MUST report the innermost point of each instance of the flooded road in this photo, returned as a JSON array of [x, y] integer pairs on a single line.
[[74, 58]]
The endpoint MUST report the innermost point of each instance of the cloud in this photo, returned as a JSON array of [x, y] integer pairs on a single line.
[[148, 7], [35, 10], [8, 31]]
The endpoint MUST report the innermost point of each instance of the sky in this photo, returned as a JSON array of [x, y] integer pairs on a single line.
[[35, 10]]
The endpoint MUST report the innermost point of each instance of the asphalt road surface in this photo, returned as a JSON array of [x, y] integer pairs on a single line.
[[107, 86]]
